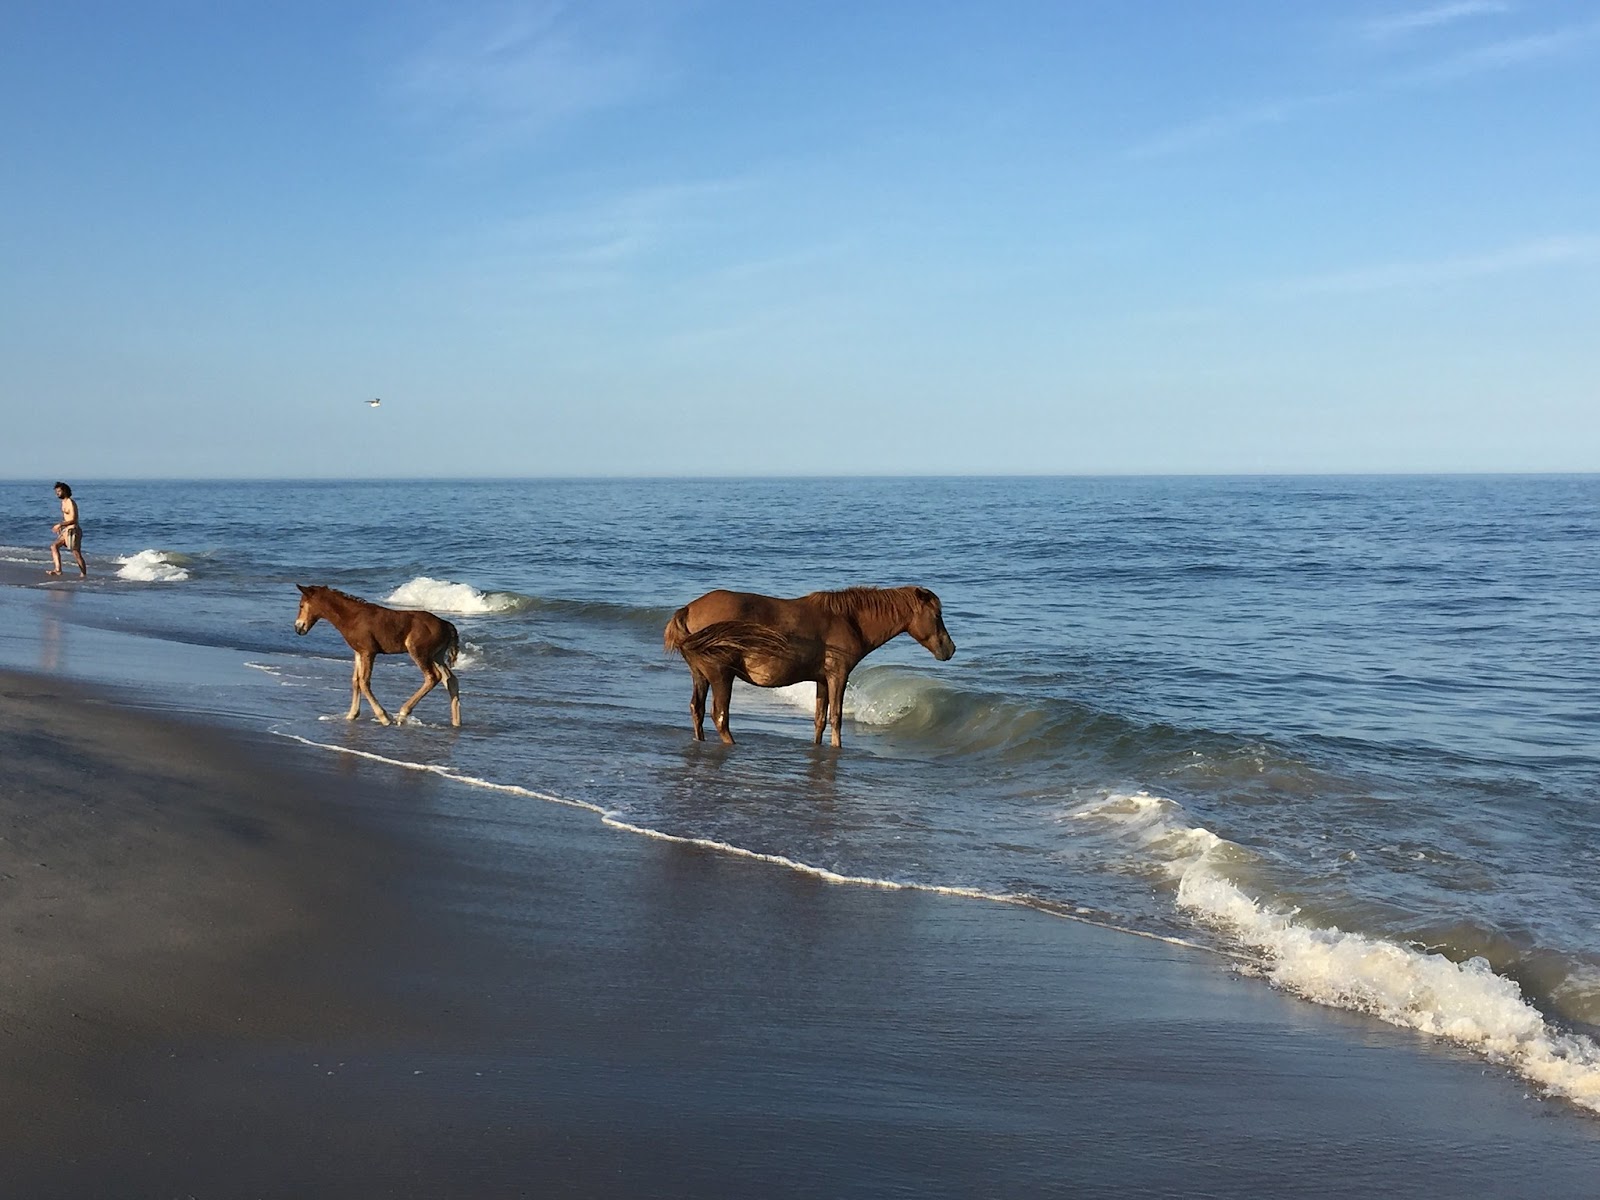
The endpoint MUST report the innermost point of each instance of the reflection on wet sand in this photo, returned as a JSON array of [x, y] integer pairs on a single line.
[[52, 643]]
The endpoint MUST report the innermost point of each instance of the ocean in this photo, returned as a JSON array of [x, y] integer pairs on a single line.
[[1341, 732]]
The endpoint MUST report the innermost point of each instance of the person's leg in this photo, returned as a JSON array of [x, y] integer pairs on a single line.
[[55, 555]]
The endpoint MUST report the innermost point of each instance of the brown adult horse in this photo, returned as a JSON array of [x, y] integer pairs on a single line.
[[371, 629], [774, 643]]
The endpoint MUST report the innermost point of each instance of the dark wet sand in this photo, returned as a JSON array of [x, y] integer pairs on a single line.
[[233, 967]]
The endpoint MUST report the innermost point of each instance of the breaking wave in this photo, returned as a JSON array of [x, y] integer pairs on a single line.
[[155, 566], [1464, 1002], [460, 599]]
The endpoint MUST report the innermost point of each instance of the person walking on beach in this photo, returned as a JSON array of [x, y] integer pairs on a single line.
[[69, 532]]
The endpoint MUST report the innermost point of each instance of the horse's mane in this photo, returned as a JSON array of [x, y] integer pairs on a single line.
[[885, 602]]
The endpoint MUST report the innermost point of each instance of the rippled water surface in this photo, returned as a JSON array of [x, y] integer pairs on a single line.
[[1343, 728]]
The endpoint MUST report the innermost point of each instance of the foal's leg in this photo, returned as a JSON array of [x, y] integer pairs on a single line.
[[436, 671], [355, 690], [697, 704], [721, 693], [454, 689], [821, 719], [429, 679], [364, 678]]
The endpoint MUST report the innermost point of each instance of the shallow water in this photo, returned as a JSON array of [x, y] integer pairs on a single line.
[[1341, 728]]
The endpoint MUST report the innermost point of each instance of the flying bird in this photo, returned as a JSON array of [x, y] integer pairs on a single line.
[[374, 403]]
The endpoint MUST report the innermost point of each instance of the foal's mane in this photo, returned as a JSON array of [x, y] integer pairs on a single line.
[[333, 591]]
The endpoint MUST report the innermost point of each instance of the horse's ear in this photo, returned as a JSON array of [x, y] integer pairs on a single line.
[[926, 596], [304, 590]]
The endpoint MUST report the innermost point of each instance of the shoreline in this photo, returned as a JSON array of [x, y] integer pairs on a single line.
[[257, 970]]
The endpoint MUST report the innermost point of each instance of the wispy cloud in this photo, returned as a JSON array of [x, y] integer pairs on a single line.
[[1385, 277], [517, 70], [607, 241], [1502, 55], [1223, 126], [1482, 60], [1402, 25]]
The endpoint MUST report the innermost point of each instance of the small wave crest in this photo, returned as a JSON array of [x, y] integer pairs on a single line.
[[881, 698], [461, 599], [1464, 1002], [155, 566], [921, 705], [604, 611], [23, 554]]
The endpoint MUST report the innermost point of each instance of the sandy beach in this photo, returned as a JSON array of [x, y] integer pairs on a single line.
[[235, 968]]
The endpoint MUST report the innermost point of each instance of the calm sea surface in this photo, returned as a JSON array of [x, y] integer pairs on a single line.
[[1344, 729]]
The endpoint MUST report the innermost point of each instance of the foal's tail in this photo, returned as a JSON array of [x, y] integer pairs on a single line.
[[727, 643], [446, 654], [677, 629]]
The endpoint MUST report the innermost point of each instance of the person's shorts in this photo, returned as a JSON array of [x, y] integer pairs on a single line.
[[72, 535]]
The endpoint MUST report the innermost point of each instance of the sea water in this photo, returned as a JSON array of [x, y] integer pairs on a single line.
[[1343, 731]]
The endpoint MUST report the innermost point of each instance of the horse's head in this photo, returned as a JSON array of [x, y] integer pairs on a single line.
[[927, 625], [307, 616]]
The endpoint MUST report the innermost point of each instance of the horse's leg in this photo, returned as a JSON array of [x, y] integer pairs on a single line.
[[822, 710], [697, 705], [721, 693], [836, 705], [364, 674]]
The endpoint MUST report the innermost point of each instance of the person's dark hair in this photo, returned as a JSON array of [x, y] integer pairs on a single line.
[[65, 488]]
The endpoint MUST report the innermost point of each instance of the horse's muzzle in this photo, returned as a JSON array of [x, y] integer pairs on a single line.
[[301, 629]]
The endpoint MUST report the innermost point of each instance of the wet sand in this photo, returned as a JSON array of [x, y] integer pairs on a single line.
[[235, 967]]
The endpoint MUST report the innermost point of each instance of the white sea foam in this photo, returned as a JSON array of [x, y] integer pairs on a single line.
[[444, 596], [155, 566], [1463, 1002], [276, 672], [1082, 916], [797, 695]]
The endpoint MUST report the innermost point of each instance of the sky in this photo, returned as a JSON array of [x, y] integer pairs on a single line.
[[727, 237]]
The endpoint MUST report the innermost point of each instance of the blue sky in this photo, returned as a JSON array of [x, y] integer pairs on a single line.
[[1101, 236]]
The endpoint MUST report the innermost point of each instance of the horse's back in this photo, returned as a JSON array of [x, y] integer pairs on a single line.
[[722, 605]]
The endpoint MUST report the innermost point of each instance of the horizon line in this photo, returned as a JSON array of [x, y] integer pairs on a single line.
[[1494, 473]]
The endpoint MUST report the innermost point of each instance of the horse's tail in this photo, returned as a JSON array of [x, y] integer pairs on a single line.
[[452, 645], [726, 643], [677, 629]]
